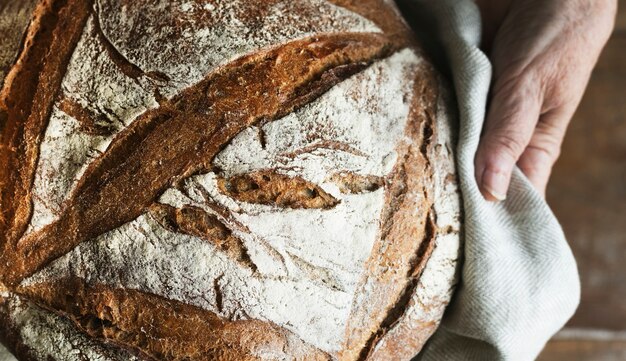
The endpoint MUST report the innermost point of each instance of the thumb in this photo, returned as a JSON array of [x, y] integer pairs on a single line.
[[513, 114]]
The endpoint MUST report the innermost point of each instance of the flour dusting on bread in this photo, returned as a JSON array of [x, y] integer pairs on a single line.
[[337, 241]]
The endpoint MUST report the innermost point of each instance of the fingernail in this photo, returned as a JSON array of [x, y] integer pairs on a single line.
[[496, 183]]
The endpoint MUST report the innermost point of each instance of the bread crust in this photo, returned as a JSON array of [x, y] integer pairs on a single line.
[[13, 26], [159, 154]]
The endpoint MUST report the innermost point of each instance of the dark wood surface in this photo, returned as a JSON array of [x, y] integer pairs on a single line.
[[588, 192], [584, 350], [588, 195]]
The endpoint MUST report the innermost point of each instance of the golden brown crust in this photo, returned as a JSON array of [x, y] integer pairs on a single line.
[[179, 139], [27, 97], [269, 187], [23, 320], [197, 222], [198, 118], [14, 19], [416, 315], [90, 123], [406, 239], [165, 329], [386, 16], [357, 183]]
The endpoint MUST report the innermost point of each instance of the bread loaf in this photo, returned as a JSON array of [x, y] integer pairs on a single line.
[[223, 179]]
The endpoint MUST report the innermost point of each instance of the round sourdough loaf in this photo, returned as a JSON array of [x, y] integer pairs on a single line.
[[222, 180]]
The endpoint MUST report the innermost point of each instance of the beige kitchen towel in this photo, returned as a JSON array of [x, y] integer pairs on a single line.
[[519, 281]]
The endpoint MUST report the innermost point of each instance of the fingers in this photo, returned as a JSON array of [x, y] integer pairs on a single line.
[[543, 53], [536, 164], [513, 114], [538, 158], [517, 133]]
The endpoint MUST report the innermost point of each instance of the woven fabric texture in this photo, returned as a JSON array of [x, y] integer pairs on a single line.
[[519, 280]]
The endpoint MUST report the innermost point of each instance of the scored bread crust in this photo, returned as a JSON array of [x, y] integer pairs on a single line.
[[13, 25], [406, 278]]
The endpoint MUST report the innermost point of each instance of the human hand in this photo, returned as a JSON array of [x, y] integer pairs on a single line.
[[543, 52]]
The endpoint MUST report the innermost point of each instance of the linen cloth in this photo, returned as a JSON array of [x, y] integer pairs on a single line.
[[5, 355], [519, 280]]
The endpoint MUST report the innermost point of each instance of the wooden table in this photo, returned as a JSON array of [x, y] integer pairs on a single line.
[[588, 195]]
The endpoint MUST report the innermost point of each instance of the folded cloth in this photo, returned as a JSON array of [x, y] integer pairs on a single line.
[[519, 281], [5, 355]]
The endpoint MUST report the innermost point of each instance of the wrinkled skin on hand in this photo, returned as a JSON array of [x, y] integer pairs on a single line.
[[543, 52]]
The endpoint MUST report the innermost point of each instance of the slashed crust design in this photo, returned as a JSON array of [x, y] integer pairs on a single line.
[[231, 180], [13, 26]]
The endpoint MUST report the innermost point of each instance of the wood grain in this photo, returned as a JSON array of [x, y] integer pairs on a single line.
[[584, 350], [588, 192], [588, 195]]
